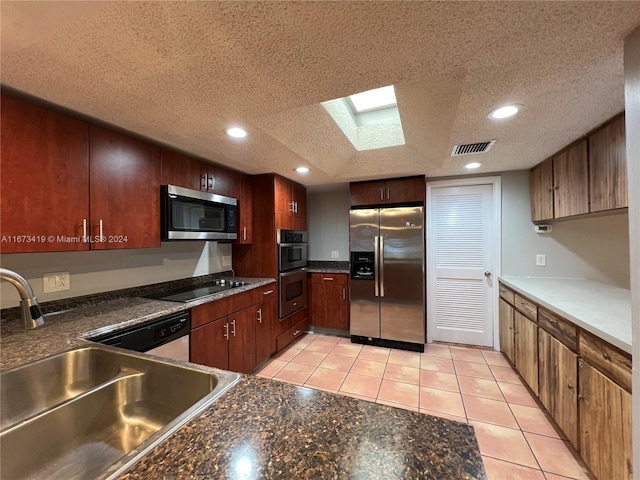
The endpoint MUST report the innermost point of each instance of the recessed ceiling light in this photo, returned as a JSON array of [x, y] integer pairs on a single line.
[[236, 132], [505, 112], [472, 165], [374, 99], [302, 170]]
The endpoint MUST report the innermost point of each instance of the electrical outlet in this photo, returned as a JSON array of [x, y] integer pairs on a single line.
[[226, 260], [335, 254], [56, 282], [541, 260]]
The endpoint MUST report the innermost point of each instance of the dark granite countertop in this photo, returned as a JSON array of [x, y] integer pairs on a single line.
[[325, 266], [273, 430]]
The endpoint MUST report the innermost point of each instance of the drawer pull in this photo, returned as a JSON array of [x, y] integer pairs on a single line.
[[267, 292], [344, 293], [569, 386], [295, 334], [606, 356], [581, 397], [328, 279]]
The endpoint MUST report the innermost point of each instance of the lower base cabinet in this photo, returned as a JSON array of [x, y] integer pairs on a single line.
[[267, 318], [506, 330], [209, 344], [605, 425], [242, 340], [526, 349], [329, 301]]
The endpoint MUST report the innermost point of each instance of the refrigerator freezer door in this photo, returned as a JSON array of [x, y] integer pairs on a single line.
[[364, 226], [402, 274]]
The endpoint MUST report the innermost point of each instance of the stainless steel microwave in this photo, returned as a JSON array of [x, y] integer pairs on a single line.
[[193, 215]]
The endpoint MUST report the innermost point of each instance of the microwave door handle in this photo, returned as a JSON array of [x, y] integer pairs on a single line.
[[376, 256]]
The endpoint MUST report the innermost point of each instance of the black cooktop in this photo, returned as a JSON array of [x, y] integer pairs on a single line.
[[184, 295]]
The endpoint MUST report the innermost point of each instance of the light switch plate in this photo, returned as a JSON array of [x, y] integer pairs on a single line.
[[335, 254], [56, 282], [541, 260], [226, 260]]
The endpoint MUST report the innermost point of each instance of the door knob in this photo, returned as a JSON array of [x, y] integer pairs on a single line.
[[487, 274]]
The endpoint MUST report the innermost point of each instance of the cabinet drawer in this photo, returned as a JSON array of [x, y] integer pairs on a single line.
[[561, 329], [264, 293], [290, 335], [527, 308], [611, 361], [203, 314], [330, 278], [507, 294], [242, 300]]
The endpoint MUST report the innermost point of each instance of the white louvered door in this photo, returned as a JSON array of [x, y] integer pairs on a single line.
[[460, 245]]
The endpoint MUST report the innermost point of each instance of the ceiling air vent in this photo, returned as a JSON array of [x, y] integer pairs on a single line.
[[471, 148]]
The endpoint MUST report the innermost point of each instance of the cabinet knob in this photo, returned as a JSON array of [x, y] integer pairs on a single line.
[[606, 356], [569, 386], [581, 397]]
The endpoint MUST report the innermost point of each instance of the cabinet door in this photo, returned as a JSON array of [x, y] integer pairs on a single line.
[[559, 383], [408, 190], [283, 196], [571, 181], [605, 425], [299, 196], [265, 327], [124, 190], [608, 167], [367, 193], [242, 340], [225, 182], [506, 330], [541, 182], [45, 161], [329, 302], [245, 207], [526, 349], [183, 171], [209, 345]]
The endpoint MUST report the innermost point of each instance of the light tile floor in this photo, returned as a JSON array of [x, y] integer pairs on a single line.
[[472, 385]]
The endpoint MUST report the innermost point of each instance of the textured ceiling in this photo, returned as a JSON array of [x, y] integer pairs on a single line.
[[180, 72]]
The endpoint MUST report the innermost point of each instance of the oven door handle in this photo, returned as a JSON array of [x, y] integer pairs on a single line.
[[297, 271]]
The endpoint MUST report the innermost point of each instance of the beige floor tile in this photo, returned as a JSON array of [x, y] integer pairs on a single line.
[[504, 444], [346, 341], [295, 373], [489, 411], [469, 369], [321, 389], [437, 364], [398, 405], [517, 394], [288, 354], [325, 378], [271, 368], [338, 362], [553, 476], [292, 382], [305, 340], [309, 358], [437, 350], [319, 347], [464, 354], [356, 396], [501, 470], [554, 456], [346, 350], [480, 387], [402, 357], [505, 375], [443, 415], [361, 385], [533, 420], [441, 401], [400, 373], [368, 367], [439, 380], [328, 339], [398, 392], [377, 354], [495, 358]]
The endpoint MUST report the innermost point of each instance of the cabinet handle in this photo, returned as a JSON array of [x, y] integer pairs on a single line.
[[581, 397], [555, 187], [211, 182], [101, 230], [233, 324], [296, 206], [244, 233], [569, 386], [382, 194], [267, 292], [295, 334], [293, 207], [226, 331], [388, 193], [259, 315], [84, 229], [606, 356], [344, 293], [203, 181], [329, 279]]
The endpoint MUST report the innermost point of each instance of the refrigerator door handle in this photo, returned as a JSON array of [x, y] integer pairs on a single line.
[[376, 255], [381, 265]]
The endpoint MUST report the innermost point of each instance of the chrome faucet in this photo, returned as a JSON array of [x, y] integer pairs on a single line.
[[30, 310]]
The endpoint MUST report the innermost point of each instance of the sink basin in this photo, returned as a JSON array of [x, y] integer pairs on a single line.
[[93, 412]]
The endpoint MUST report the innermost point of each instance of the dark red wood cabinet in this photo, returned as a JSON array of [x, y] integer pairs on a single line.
[[397, 191], [329, 300]]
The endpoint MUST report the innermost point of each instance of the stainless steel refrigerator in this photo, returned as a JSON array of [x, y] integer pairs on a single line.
[[387, 276]]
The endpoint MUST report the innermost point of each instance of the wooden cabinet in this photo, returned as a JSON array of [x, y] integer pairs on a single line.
[[124, 190], [267, 318], [292, 334], [411, 190], [183, 171], [242, 340], [245, 214], [541, 182], [507, 345], [558, 383], [45, 162], [329, 301], [571, 181], [608, 167], [605, 425], [209, 344], [526, 349], [290, 200]]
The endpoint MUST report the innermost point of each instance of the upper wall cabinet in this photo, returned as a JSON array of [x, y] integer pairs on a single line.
[[290, 204], [45, 179], [608, 167], [125, 190], [388, 192], [588, 176]]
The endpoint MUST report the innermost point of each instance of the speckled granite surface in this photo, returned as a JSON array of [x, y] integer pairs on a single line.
[[322, 266], [601, 309], [68, 329], [272, 430]]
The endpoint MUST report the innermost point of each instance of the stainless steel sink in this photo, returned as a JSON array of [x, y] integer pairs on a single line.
[[93, 412]]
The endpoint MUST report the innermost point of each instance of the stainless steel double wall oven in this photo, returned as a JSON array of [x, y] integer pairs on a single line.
[[292, 277]]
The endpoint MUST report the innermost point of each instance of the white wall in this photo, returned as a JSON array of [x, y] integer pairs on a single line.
[[101, 271], [328, 222], [591, 247]]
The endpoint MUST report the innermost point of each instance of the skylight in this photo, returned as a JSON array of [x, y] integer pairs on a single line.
[[375, 99]]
